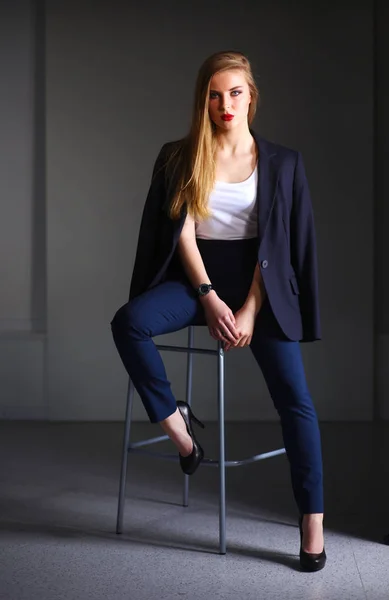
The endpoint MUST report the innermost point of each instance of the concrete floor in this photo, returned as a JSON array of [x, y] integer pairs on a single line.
[[58, 502]]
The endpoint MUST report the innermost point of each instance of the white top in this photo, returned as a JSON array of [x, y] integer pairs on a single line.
[[234, 211]]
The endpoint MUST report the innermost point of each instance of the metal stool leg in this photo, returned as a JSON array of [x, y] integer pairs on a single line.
[[222, 466], [123, 471], [189, 373]]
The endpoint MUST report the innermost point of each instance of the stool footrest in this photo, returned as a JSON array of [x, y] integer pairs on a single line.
[[160, 438], [207, 462], [189, 350]]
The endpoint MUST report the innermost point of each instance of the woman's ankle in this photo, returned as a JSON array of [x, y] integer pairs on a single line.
[[313, 533], [313, 518], [174, 426]]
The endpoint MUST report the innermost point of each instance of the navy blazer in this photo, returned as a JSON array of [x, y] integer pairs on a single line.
[[286, 232]]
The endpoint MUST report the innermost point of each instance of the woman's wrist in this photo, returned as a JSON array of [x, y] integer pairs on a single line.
[[208, 297], [252, 306]]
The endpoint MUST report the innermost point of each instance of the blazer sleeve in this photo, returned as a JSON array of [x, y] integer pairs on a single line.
[[304, 253], [148, 232]]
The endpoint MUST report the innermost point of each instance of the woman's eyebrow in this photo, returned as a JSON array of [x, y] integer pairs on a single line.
[[234, 88]]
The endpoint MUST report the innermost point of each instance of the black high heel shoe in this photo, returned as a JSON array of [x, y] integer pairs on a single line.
[[308, 560], [190, 463]]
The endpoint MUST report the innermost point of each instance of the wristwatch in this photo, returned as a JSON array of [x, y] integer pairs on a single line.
[[204, 289]]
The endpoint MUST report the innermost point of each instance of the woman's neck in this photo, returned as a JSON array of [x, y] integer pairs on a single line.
[[235, 142]]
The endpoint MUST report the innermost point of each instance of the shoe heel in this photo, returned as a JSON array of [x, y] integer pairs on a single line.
[[196, 420], [187, 414]]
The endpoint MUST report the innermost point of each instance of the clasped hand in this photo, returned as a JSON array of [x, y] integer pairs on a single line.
[[236, 330]]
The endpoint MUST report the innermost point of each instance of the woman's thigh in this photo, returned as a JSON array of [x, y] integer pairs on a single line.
[[170, 306]]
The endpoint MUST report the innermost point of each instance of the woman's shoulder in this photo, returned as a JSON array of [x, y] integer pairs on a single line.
[[169, 147], [283, 152], [162, 158]]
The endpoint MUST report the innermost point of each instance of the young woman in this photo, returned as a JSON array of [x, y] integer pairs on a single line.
[[227, 239]]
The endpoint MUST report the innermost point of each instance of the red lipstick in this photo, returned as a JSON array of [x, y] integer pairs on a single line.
[[227, 117]]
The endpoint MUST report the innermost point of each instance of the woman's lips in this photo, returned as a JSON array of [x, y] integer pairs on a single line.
[[227, 117]]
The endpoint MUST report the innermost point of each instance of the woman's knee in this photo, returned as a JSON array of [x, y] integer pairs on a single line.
[[128, 318]]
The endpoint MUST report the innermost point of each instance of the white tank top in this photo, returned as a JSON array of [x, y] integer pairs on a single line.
[[234, 211]]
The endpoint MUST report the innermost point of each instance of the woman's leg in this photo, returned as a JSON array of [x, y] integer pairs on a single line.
[[168, 307], [281, 364]]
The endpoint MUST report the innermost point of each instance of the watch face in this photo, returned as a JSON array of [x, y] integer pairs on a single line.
[[204, 288]]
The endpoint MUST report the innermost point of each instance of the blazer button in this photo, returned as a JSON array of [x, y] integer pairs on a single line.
[[264, 264]]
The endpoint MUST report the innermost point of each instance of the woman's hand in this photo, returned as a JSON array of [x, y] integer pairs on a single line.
[[220, 319], [245, 321]]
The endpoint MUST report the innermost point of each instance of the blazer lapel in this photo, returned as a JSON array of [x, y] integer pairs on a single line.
[[267, 182]]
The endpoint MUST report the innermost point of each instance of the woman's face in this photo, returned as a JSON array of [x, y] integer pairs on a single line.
[[229, 95]]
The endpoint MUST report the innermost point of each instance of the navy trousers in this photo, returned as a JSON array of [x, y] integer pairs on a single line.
[[173, 305]]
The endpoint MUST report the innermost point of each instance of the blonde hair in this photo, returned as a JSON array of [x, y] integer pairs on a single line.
[[192, 164]]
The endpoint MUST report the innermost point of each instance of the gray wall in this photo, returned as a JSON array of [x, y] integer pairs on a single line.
[[119, 83], [382, 211], [22, 212], [16, 163]]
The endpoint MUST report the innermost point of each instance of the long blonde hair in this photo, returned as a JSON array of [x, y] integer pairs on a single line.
[[192, 164]]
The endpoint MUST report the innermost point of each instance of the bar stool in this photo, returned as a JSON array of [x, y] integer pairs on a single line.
[[139, 447]]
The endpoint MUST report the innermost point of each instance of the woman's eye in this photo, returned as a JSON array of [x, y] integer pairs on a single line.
[[214, 95]]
